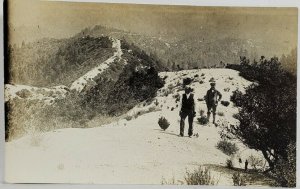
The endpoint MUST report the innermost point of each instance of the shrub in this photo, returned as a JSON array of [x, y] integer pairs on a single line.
[[225, 103], [202, 120], [220, 113], [202, 74], [156, 102], [163, 123], [128, 117], [236, 97], [200, 176], [200, 99], [168, 182], [196, 75], [255, 162], [238, 179], [177, 97], [172, 108], [227, 147], [187, 81], [229, 164], [201, 81], [227, 89], [285, 169], [267, 112]]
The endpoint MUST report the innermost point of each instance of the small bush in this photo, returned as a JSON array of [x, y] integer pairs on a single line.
[[229, 164], [156, 103], [200, 176], [227, 89], [255, 162], [172, 108], [202, 74], [227, 147], [220, 113], [187, 81], [236, 98], [203, 120], [168, 182], [128, 117], [177, 97], [225, 103], [196, 75], [163, 123], [24, 93], [201, 81], [230, 78], [238, 179]]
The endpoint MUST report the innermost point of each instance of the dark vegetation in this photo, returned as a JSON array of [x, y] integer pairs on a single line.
[[227, 147], [268, 115], [118, 89], [200, 176], [50, 62], [163, 123]]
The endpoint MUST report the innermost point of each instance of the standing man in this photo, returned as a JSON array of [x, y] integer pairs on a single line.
[[212, 98], [187, 110]]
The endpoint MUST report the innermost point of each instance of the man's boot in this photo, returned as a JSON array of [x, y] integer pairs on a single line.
[[208, 116], [214, 118]]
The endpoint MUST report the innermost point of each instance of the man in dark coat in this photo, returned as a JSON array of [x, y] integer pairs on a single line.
[[187, 110], [212, 98]]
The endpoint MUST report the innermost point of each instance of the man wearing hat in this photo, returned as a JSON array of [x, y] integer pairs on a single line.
[[212, 98], [187, 110]]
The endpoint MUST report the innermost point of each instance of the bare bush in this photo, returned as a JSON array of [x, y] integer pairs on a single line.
[[200, 176], [238, 179], [227, 147], [229, 164]]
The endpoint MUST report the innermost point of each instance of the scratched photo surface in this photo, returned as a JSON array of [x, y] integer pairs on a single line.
[[102, 93]]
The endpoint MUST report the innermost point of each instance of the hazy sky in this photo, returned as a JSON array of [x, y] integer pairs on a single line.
[[63, 19]]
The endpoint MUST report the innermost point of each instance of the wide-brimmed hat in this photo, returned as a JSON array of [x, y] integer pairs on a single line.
[[213, 84]]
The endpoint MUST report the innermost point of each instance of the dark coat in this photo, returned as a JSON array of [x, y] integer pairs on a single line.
[[188, 104], [212, 97]]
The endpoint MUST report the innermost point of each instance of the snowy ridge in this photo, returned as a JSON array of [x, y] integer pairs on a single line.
[[135, 150], [83, 81], [48, 95], [58, 92]]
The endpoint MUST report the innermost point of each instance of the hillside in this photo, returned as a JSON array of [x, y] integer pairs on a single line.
[[134, 150], [97, 86], [50, 62], [203, 49]]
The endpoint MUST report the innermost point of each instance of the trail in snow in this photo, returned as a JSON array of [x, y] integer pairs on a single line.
[[132, 151], [81, 82], [50, 94]]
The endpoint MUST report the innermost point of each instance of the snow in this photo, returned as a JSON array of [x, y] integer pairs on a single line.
[[135, 151], [48, 95], [83, 81]]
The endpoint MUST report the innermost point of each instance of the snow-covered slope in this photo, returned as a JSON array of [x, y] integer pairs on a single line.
[[81, 82], [132, 150], [48, 95]]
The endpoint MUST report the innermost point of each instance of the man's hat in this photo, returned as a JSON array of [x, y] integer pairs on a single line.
[[213, 84]]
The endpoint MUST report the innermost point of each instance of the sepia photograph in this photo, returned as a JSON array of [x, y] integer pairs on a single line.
[[123, 93]]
